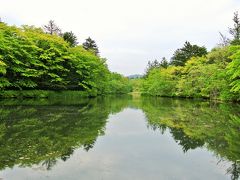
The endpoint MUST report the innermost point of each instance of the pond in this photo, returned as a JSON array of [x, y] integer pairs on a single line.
[[119, 138]]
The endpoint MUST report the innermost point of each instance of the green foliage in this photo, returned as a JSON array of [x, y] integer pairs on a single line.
[[150, 66], [136, 84], [70, 38], [42, 94], [181, 55], [234, 72], [33, 60], [214, 76], [2, 67], [90, 45], [161, 82], [201, 79], [119, 84], [155, 64]]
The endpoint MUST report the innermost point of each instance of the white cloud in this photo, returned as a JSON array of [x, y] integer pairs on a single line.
[[129, 32]]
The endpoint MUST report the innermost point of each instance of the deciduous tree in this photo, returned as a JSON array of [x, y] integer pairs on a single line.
[[52, 28]]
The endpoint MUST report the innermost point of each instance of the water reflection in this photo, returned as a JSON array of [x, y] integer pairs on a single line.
[[196, 124], [44, 132]]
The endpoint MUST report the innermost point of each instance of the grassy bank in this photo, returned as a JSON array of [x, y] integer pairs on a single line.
[[42, 94]]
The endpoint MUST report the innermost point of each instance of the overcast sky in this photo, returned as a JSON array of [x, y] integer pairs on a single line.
[[130, 32]]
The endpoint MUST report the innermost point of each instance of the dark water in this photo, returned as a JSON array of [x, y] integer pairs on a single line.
[[119, 138]]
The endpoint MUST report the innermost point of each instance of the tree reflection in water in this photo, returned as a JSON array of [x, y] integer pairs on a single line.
[[43, 132]]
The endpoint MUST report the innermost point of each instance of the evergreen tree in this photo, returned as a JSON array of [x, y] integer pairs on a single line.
[[181, 55], [70, 38], [90, 45], [235, 31], [164, 63]]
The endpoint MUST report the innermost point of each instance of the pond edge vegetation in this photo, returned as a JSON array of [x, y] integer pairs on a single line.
[[193, 72], [35, 62]]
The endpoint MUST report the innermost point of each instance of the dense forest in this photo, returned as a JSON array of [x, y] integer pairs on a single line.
[[195, 73], [46, 59], [40, 59]]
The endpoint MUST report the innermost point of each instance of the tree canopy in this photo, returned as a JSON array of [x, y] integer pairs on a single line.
[[188, 50], [156, 64], [71, 38], [214, 76], [90, 45], [31, 59], [195, 73]]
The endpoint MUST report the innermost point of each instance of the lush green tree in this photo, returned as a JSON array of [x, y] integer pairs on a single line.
[[119, 84], [234, 71], [161, 82], [3, 81], [90, 45], [71, 38], [90, 72], [32, 59], [136, 85], [2, 67], [213, 76], [188, 50], [199, 79], [14, 50]]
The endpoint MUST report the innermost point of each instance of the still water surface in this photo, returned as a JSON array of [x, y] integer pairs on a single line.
[[119, 138]]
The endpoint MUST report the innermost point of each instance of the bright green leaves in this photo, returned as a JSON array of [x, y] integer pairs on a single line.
[[31, 59], [4, 83], [2, 67], [207, 77], [234, 72], [118, 84], [161, 82]]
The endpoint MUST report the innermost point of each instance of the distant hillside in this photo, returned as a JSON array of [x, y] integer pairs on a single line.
[[135, 76]]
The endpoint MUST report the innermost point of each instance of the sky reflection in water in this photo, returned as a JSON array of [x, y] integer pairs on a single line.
[[119, 138]]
